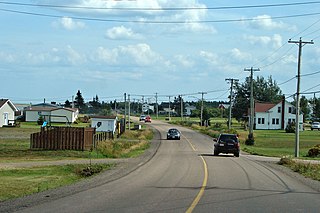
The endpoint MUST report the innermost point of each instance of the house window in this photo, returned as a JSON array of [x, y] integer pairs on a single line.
[[279, 109], [262, 120], [277, 120], [273, 121], [290, 110], [259, 120]]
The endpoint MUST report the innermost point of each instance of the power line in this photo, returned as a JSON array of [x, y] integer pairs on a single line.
[[158, 22], [161, 9]]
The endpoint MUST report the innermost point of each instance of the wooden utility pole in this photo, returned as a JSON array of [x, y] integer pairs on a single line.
[[251, 122], [301, 44], [201, 113], [232, 80]]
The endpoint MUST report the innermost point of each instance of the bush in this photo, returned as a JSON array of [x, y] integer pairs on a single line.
[[314, 151], [89, 170], [40, 120], [250, 140], [291, 128]]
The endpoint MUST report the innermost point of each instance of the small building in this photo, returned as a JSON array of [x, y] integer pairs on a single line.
[[104, 123], [275, 116], [7, 113], [51, 114]]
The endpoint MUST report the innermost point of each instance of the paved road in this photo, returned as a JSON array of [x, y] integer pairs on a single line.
[[184, 176]]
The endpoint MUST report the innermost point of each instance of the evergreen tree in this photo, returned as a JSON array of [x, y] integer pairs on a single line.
[[79, 101], [67, 104]]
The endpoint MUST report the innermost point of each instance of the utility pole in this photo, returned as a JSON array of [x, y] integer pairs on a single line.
[[201, 113], [301, 44], [251, 100], [129, 111], [157, 105], [169, 108], [232, 80], [125, 110], [181, 107]]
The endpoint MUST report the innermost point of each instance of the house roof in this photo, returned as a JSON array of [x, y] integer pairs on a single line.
[[263, 107], [104, 117], [4, 101], [49, 109]]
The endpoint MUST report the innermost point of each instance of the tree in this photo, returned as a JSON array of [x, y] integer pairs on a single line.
[[67, 104], [79, 101], [263, 91], [304, 107], [316, 108]]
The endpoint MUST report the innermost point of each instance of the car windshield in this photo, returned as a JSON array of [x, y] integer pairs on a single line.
[[173, 131], [228, 138], [316, 123]]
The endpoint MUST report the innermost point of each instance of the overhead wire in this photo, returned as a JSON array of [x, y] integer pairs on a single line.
[[160, 8]]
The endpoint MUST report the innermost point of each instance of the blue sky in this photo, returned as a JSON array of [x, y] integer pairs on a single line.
[[52, 52]]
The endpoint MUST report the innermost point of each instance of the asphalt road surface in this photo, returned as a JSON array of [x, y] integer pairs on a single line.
[[184, 176]]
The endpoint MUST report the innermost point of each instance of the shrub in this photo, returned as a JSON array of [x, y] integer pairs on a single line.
[[40, 120], [314, 151], [250, 140], [291, 128]]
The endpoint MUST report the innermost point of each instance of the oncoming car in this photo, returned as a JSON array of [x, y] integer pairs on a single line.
[[142, 118], [173, 134], [226, 143]]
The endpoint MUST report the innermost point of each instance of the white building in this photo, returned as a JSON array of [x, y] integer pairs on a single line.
[[51, 114], [7, 112], [275, 116], [104, 123]]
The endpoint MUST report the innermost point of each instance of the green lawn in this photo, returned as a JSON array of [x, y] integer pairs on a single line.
[[278, 143]]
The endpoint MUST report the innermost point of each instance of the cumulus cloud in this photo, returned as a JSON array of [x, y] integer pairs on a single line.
[[69, 24], [209, 57], [239, 55], [184, 61], [275, 40], [5, 57], [265, 22], [138, 54], [121, 32]]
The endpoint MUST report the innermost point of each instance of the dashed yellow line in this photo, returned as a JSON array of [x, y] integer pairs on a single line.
[[204, 182]]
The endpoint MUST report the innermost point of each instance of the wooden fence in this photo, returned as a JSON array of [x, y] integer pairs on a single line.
[[63, 138]]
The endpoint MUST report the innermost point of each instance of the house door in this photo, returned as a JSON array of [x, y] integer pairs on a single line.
[[5, 118]]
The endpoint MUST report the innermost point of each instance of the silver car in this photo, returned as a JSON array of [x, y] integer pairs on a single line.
[[315, 125]]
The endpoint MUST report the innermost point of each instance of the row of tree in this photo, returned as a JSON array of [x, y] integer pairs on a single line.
[[265, 90]]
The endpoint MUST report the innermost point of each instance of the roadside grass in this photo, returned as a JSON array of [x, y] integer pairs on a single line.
[[306, 169], [25, 181], [131, 144], [15, 145]]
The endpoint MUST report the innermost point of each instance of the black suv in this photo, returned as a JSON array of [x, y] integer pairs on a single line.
[[226, 143]]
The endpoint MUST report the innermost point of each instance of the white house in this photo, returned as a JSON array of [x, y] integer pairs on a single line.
[[104, 123], [7, 112], [52, 114], [189, 109], [275, 116]]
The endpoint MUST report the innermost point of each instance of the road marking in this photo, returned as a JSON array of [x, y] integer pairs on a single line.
[[204, 183]]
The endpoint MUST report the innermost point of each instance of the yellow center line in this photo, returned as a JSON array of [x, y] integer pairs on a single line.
[[204, 183]]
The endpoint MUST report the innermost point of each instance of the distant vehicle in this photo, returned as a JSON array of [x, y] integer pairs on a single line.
[[142, 118], [173, 134], [315, 125], [147, 119], [226, 143]]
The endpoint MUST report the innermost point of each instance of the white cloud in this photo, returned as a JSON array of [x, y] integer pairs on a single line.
[[184, 61], [209, 57], [239, 55], [74, 57], [265, 22], [276, 40], [138, 54], [121, 33], [69, 24]]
